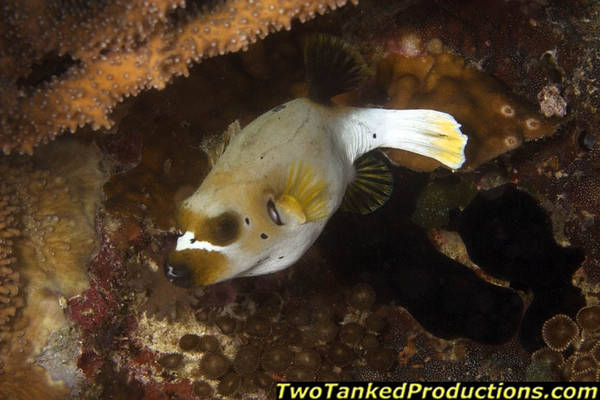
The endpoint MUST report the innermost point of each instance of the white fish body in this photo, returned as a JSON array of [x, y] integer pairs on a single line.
[[283, 176]]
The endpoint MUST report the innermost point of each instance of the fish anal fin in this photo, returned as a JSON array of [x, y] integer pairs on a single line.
[[333, 67], [372, 185]]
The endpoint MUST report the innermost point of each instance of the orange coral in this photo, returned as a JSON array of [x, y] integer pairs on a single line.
[[33, 28], [87, 92]]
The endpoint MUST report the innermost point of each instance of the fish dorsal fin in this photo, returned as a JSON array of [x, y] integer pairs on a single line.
[[333, 66], [372, 186], [214, 146]]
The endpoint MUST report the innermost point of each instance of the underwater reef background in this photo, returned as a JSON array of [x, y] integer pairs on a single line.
[[490, 273]]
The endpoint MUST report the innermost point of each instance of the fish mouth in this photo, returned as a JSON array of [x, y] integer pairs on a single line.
[[196, 267], [179, 275]]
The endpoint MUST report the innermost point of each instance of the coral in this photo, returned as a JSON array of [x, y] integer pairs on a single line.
[[56, 197], [362, 297], [189, 342], [420, 75], [551, 103], [588, 318], [559, 332], [572, 350], [60, 202], [11, 299], [32, 29], [146, 51], [214, 366]]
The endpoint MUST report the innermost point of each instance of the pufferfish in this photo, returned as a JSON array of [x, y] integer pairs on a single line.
[[279, 180]]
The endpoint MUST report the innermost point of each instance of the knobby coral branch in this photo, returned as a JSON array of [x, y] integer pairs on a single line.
[[87, 92]]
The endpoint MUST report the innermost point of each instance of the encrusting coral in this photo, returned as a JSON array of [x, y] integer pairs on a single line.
[[427, 75], [559, 332], [10, 292], [53, 198], [573, 349], [144, 50]]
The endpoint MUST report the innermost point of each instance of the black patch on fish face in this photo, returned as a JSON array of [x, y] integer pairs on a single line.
[[264, 236], [247, 221], [224, 229], [279, 108]]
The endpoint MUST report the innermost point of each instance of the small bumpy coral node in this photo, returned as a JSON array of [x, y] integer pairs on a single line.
[[548, 356], [588, 319], [559, 332], [277, 358], [171, 361], [308, 358], [351, 333], [362, 296], [247, 359], [209, 343], [229, 384], [189, 342], [214, 366], [381, 358]]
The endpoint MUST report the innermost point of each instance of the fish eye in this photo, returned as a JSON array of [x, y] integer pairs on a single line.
[[273, 214]]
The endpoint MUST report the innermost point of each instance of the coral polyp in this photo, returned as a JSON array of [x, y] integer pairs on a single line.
[[559, 332]]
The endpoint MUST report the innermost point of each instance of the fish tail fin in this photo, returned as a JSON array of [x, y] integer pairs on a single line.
[[429, 133]]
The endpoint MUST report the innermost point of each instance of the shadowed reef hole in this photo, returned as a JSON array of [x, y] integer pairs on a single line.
[[506, 233]]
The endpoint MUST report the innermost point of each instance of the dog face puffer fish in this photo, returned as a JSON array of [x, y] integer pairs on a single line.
[[281, 178]]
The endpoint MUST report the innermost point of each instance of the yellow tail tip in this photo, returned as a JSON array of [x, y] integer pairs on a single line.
[[449, 141]]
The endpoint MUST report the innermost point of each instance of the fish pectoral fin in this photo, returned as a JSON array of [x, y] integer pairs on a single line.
[[372, 186], [291, 206], [305, 194], [333, 66]]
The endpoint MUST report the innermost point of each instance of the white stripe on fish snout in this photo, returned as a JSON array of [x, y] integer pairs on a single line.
[[187, 242]]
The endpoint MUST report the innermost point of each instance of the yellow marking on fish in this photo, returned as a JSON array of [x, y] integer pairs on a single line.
[[307, 190], [291, 206], [207, 267], [449, 140]]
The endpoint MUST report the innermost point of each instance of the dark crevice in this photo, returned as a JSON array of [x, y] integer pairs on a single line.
[[510, 236], [507, 234], [50, 65]]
